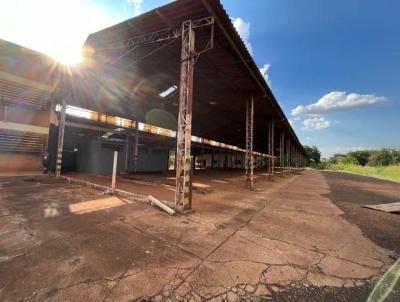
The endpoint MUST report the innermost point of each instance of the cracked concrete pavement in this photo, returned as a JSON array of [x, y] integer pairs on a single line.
[[235, 245]]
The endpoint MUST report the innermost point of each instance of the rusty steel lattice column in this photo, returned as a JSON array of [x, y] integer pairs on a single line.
[[184, 130], [288, 154], [269, 147], [272, 147], [136, 147], [297, 158], [249, 160], [291, 154], [61, 131], [282, 152]]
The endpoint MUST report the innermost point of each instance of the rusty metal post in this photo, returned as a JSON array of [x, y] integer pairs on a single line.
[[269, 147], [136, 147], [61, 131], [249, 160], [127, 151], [212, 158], [289, 155], [283, 159], [272, 147], [280, 150], [192, 167], [297, 158], [219, 158], [184, 129], [114, 171]]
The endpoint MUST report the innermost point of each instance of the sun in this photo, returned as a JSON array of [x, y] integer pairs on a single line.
[[58, 29], [68, 57]]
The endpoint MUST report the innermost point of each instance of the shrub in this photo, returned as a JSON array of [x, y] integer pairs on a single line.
[[384, 157], [350, 160]]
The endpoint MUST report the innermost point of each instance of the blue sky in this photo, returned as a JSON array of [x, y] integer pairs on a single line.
[[338, 60]]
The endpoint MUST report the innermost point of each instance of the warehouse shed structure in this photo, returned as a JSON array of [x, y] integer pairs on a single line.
[[172, 89]]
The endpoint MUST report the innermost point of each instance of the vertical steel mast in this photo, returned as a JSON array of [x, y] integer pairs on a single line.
[[249, 161], [184, 131]]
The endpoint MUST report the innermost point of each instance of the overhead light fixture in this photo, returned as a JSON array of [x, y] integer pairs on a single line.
[[212, 103], [107, 135], [168, 92]]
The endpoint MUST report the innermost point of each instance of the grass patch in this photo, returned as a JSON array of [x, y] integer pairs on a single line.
[[385, 172]]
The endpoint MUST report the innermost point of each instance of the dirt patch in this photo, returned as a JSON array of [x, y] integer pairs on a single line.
[[349, 192]]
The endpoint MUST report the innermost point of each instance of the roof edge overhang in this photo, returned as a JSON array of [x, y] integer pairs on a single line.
[[249, 62]]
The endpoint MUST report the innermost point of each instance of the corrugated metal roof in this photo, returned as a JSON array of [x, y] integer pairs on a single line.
[[224, 76]]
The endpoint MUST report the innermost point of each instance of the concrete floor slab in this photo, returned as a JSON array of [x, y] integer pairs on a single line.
[[284, 236]]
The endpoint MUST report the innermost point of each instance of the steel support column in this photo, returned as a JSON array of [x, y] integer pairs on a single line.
[[269, 147], [272, 150], [127, 151], [61, 131], [288, 154], [282, 153], [184, 129], [136, 147], [249, 160]]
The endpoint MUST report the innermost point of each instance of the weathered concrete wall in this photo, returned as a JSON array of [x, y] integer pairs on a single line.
[[27, 116], [17, 125], [20, 162], [96, 157], [152, 159], [24, 121]]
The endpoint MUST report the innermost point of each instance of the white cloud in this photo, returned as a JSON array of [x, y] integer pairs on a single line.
[[137, 6], [243, 28], [316, 123], [340, 101], [264, 71]]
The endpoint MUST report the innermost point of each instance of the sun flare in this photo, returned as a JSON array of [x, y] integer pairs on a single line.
[[68, 57], [56, 28]]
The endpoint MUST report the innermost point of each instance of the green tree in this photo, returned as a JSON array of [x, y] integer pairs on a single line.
[[350, 159], [396, 157], [337, 158], [313, 155], [384, 157], [362, 156]]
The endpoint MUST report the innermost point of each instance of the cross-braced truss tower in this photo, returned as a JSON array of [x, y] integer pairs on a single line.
[[184, 129], [271, 147], [249, 160]]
